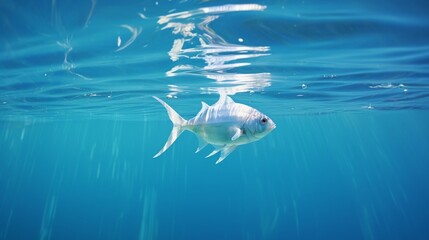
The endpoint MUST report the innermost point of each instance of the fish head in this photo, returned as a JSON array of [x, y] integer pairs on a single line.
[[259, 125]]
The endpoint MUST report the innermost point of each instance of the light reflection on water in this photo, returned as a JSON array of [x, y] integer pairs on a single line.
[[223, 61], [98, 58]]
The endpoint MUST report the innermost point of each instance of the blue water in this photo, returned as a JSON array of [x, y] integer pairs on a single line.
[[346, 83]]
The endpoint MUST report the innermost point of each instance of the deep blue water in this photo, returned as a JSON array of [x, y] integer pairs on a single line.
[[346, 83]]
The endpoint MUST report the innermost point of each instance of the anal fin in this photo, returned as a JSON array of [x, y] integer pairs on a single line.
[[201, 144]]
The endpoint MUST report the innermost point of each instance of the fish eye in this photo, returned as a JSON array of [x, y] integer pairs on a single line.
[[264, 120]]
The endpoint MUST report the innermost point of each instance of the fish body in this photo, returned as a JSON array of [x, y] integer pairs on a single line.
[[225, 125]]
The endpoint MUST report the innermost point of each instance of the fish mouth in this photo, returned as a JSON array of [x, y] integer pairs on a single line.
[[273, 126]]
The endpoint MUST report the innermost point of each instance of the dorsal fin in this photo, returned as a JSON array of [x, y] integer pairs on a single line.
[[224, 99], [204, 106], [228, 99]]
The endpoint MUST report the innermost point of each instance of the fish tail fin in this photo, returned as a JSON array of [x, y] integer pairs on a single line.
[[179, 124]]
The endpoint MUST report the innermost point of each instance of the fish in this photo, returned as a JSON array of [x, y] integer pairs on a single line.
[[224, 125]]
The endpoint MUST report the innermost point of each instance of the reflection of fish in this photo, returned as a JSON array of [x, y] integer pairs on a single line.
[[225, 125]]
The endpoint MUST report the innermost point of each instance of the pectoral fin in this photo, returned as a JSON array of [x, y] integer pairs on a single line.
[[237, 134], [225, 152]]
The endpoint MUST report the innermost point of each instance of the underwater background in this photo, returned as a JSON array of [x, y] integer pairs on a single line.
[[346, 82]]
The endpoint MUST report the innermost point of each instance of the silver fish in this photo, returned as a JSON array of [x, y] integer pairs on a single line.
[[225, 125]]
